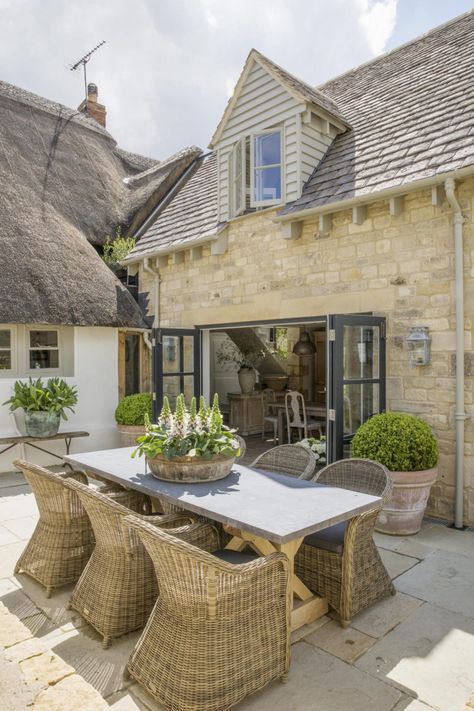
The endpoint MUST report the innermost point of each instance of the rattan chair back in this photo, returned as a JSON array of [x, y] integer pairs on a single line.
[[361, 475], [291, 459]]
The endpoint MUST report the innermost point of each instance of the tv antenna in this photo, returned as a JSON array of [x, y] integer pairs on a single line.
[[83, 61]]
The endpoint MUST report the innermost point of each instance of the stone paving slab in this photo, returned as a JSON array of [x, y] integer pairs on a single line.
[[443, 578], [21, 527], [346, 644], [396, 563], [379, 619], [429, 656]]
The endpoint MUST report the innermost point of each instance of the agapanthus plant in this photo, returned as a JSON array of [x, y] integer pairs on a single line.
[[188, 432]]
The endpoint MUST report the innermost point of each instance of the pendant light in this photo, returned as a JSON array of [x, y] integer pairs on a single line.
[[305, 345]]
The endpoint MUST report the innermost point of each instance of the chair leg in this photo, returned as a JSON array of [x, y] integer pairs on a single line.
[[275, 432]]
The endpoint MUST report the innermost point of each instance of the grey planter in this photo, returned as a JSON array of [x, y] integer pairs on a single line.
[[42, 424]]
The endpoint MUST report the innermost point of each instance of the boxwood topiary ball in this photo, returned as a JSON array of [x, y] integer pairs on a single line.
[[131, 409], [401, 442]]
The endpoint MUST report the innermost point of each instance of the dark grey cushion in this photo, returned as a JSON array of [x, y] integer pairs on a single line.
[[329, 539], [234, 557]]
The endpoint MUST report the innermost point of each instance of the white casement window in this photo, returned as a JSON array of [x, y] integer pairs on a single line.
[[7, 350], [43, 346], [266, 175], [237, 182]]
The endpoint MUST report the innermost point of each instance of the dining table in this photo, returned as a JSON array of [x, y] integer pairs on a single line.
[[266, 511], [313, 410]]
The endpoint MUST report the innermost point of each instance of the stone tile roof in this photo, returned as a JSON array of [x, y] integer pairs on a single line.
[[190, 213], [412, 117]]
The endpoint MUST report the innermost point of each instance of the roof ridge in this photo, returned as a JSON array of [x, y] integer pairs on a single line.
[[384, 55], [41, 103]]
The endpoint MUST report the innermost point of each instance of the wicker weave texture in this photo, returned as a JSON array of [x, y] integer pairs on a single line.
[[118, 589], [290, 459], [218, 632], [355, 579]]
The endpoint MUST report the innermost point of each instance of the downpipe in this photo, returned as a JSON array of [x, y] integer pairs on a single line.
[[460, 414], [155, 272]]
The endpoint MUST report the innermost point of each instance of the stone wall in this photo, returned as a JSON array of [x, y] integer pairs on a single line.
[[400, 267]]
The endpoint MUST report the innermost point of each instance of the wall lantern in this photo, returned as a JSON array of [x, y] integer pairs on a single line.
[[305, 345], [364, 346], [419, 345]]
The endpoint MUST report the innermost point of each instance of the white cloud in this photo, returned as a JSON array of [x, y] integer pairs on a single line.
[[377, 20], [168, 67]]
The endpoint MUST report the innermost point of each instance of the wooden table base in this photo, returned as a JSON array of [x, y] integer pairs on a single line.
[[307, 606]]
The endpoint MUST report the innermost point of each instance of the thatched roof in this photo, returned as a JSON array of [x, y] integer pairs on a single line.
[[63, 188]]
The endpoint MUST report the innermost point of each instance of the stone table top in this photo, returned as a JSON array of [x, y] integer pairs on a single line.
[[277, 507]]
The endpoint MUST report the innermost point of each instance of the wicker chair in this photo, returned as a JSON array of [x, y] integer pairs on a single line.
[[218, 631], [117, 589], [63, 540], [342, 562], [291, 459]]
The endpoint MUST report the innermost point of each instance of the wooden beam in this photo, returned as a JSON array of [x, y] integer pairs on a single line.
[[292, 230], [396, 205], [325, 222], [179, 257], [437, 195], [220, 245], [359, 214], [196, 253], [163, 261]]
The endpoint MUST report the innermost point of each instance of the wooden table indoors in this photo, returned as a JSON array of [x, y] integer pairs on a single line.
[[269, 512]]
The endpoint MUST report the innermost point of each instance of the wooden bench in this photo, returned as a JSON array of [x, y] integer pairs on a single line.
[[13, 440]]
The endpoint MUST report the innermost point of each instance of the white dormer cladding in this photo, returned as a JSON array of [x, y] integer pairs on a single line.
[[263, 106]]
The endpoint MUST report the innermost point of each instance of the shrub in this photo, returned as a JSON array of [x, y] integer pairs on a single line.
[[35, 396], [132, 409], [401, 442]]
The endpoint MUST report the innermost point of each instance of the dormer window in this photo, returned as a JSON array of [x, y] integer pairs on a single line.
[[266, 174], [255, 172]]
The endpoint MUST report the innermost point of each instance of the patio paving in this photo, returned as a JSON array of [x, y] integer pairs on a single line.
[[413, 651]]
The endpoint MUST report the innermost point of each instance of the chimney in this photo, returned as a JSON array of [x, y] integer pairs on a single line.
[[91, 107]]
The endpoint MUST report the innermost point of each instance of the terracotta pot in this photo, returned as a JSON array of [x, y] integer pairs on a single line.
[[128, 434], [403, 513], [247, 378], [191, 469]]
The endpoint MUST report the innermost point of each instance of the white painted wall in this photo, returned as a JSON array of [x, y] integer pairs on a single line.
[[96, 377]]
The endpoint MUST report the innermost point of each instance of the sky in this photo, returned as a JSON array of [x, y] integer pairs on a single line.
[[169, 67]]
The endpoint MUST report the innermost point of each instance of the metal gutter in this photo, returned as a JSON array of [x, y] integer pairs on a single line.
[[460, 414], [331, 207]]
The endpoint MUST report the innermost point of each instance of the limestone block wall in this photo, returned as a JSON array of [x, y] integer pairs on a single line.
[[400, 267]]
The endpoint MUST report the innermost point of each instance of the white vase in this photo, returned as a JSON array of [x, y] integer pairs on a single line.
[[247, 379]]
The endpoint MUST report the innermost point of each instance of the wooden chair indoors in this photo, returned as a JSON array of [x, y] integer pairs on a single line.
[[296, 417]]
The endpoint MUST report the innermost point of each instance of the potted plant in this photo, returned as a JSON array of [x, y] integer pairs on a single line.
[[246, 357], [130, 417], [188, 445], [44, 404], [406, 445], [318, 446]]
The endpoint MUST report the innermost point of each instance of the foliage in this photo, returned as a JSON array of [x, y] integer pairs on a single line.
[[247, 355], [281, 342], [401, 442], [188, 432], [132, 409], [318, 446], [35, 396], [115, 250]]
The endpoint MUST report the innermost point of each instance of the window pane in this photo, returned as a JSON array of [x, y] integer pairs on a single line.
[[267, 184], [170, 354], [5, 360], [132, 364], [188, 387], [267, 149], [361, 402], [171, 388], [42, 339], [188, 350], [44, 359], [5, 338], [361, 352]]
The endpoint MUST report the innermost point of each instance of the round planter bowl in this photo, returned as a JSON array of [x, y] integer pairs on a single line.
[[276, 382], [42, 424], [191, 469], [128, 434], [403, 513]]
